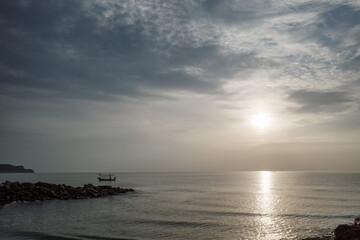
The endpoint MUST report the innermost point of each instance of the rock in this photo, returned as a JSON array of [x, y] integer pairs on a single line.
[[357, 221], [347, 232], [15, 191], [319, 238], [341, 229]]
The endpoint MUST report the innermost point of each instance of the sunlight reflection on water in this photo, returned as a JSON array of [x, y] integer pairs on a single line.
[[265, 205]]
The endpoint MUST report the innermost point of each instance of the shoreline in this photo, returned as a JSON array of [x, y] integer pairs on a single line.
[[30, 192]]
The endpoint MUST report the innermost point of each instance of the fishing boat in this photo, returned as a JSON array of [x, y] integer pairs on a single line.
[[106, 177]]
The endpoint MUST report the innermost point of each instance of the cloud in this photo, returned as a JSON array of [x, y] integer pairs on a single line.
[[104, 50], [160, 70], [352, 64], [75, 52], [317, 102]]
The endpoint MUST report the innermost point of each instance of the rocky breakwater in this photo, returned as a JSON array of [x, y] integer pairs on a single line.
[[343, 232], [20, 192]]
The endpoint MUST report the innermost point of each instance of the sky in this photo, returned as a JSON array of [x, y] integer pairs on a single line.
[[168, 85]]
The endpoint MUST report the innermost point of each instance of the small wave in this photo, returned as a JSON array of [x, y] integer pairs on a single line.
[[225, 213], [248, 214], [329, 198], [44, 236], [315, 216], [177, 223], [35, 236], [86, 237]]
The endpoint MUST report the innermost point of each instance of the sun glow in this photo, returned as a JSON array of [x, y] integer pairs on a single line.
[[260, 120]]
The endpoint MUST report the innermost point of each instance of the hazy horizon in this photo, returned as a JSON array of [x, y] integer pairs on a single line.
[[159, 86], [186, 172]]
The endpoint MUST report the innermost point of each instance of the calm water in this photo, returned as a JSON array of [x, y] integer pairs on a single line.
[[236, 205]]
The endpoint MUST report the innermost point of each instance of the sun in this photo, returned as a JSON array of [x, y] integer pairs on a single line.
[[260, 120]]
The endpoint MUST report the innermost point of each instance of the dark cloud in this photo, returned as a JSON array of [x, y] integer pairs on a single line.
[[66, 50], [55, 49], [321, 102], [233, 12], [352, 64], [333, 25]]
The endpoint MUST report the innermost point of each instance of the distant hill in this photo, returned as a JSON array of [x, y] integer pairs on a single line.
[[8, 168]]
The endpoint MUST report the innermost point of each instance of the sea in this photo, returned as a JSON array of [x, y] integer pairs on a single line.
[[212, 205]]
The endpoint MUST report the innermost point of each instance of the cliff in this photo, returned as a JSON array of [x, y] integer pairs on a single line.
[[8, 168]]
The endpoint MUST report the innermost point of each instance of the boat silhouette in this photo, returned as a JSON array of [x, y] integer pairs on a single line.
[[106, 177]]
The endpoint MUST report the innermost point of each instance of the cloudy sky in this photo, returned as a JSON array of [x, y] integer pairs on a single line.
[[180, 85]]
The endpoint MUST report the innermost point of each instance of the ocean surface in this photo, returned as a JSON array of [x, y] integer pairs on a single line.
[[229, 205]]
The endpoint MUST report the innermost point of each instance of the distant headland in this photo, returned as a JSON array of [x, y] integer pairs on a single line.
[[8, 168]]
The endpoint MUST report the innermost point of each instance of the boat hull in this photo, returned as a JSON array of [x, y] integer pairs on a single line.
[[106, 179]]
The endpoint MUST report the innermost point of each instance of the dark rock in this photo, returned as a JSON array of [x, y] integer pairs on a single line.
[[319, 238], [15, 192], [341, 229], [357, 221], [347, 232]]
